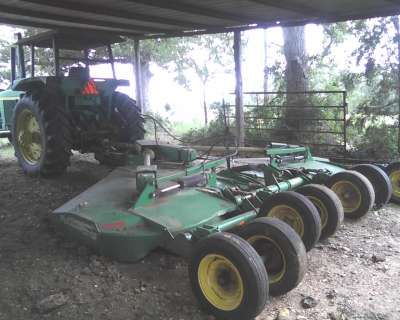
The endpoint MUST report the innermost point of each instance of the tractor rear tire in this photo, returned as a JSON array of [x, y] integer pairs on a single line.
[[379, 180], [41, 134], [130, 123], [228, 277], [281, 250], [328, 205], [393, 171], [298, 212], [354, 191], [129, 115]]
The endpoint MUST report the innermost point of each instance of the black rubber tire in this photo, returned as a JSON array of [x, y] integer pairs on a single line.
[[279, 237], [379, 180], [325, 199], [392, 168], [363, 186], [308, 213], [128, 116], [130, 123], [251, 270], [55, 128]]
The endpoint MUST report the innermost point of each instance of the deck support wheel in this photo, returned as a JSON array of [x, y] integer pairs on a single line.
[[328, 205], [393, 171], [281, 250], [380, 182], [355, 192], [297, 211], [228, 277]]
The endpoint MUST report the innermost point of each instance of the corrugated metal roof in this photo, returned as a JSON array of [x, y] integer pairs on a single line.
[[158, 18]]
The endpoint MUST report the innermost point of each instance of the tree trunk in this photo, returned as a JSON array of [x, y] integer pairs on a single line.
[[239, 112], [146, 76], [295, 76], [205, 105]]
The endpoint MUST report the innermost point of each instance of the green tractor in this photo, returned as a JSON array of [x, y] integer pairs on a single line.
[[49, 116]]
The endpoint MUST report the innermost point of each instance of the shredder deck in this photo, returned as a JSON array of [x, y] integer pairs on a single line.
[[104, 215]]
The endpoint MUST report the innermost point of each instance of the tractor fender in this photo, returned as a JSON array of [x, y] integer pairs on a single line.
[[29, 84]]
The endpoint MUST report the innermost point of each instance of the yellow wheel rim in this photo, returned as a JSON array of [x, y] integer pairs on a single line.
[[28, 137], [349, 195], [289, 215], [272, 256], [395, 180], [322, 210], [220, 282]]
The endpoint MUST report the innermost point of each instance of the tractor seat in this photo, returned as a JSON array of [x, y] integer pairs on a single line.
[[79, 73]]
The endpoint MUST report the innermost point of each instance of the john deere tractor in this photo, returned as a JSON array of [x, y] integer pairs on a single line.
[[49, 116]]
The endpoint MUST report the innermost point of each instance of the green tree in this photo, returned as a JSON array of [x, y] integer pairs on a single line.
[[214, 55]]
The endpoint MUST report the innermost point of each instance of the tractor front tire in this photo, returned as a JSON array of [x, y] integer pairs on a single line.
[[281, 250], [41, 134], [228, 277]]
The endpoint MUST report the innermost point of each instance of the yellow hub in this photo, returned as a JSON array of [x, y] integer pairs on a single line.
[[322, 210], [349, 195], [272, 256], [28, 137], [289, 215], [220, 282], [395, 180]]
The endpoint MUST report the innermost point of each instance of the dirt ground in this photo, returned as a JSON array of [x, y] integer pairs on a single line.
[[354, 275]]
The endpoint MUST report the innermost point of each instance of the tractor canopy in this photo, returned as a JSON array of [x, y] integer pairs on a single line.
[[68, 40], [73, 53]]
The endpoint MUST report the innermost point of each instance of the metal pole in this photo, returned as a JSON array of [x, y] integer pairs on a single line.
[[111, 58], [32, 60], [239, 113], [56, 58], [138, 76]]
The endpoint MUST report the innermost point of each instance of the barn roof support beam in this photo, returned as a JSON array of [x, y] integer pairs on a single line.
[[182, 6], [113, 13], [71, 19]]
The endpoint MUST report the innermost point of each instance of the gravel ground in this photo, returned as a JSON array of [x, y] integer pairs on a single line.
[[353, 275]]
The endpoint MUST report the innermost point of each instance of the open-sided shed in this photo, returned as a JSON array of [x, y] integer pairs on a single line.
[[141, 19], [157, 18]]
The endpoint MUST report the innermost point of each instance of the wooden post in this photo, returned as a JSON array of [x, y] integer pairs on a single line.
[[56, 57], [239, 113], [87, 62], [111, 59], [266, 71], [138, 76], [21, 58]]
